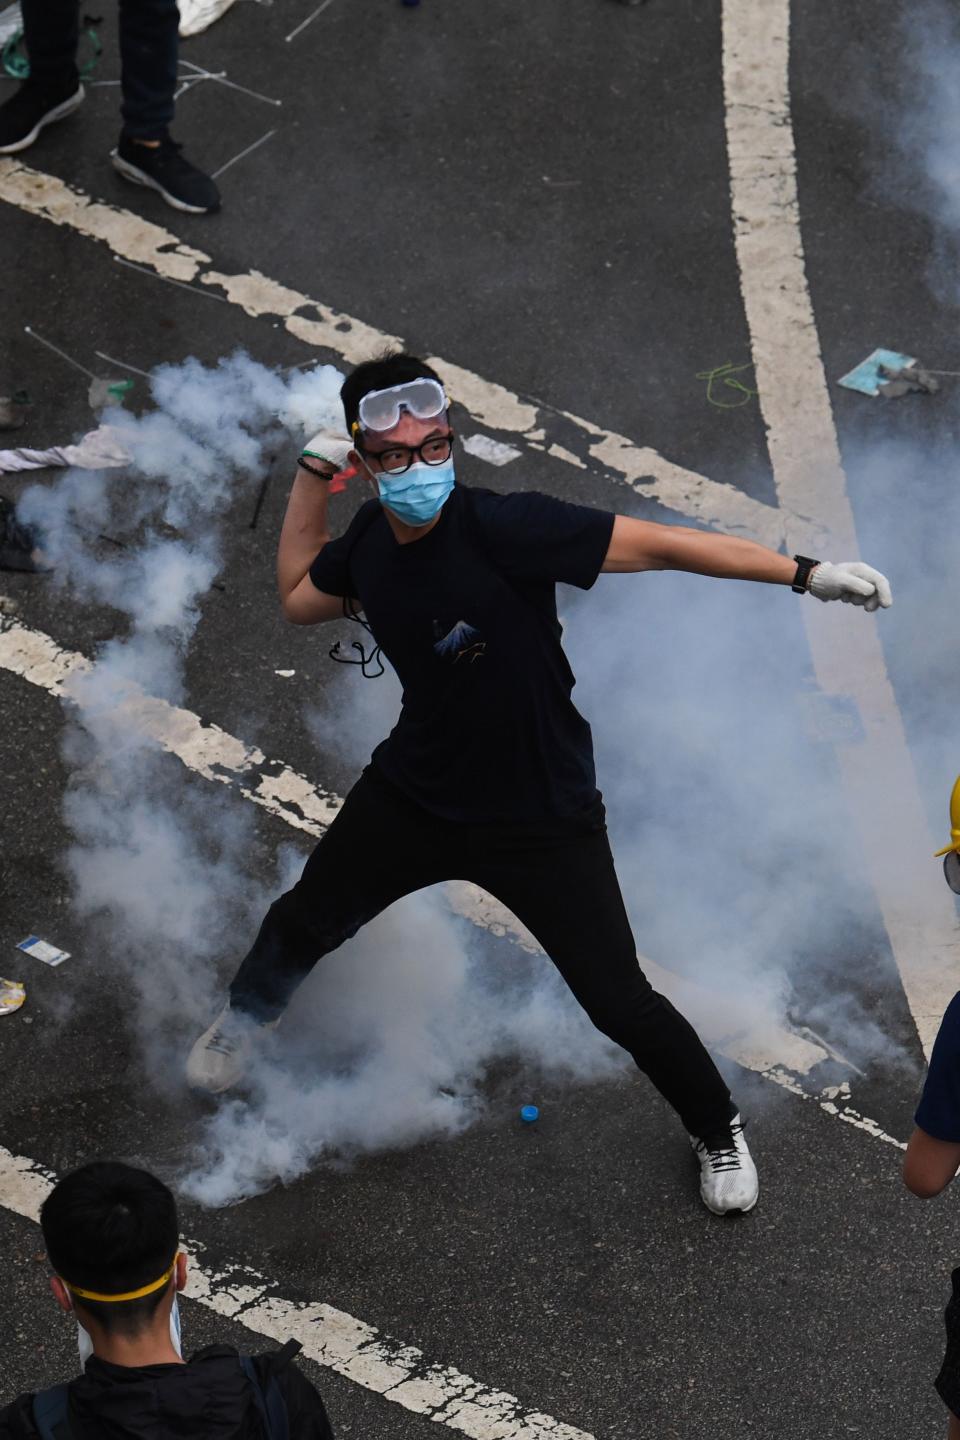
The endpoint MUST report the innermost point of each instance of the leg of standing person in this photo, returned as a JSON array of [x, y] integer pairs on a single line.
[[53, 89], [145, 153], [380, 847], [567, 894], [953, 1432]]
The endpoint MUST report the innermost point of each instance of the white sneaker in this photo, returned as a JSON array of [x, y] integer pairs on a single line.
[[219, 1058], [728, 1176]]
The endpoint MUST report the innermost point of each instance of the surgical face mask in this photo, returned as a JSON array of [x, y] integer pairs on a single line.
[[418, 495], [85, 1344]]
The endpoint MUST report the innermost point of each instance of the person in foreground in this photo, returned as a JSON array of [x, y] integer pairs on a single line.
[[488, 775], [933, 1151], [112, 1234]]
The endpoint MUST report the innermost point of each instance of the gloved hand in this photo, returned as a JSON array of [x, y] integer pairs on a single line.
[[329, 446], [852, 582]]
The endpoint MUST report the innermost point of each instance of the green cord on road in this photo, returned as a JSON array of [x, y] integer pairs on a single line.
[[725, 375]]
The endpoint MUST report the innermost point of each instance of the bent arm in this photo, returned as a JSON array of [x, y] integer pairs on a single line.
[[302, 537], [644, 545], [930, 1164]]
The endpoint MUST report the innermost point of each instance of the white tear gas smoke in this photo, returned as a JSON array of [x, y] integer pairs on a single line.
[[391, 1042], [726, 817], [156, 861]]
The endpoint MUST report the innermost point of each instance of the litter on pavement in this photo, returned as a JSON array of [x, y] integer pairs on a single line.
[[12, 996], [493, 451], [43, 950], [99, 449]]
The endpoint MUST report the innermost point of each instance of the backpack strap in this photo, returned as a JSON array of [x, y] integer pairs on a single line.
[[50, 1413], [269, 1396]]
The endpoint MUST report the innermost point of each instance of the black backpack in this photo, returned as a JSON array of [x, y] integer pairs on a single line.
[[50, 1407]]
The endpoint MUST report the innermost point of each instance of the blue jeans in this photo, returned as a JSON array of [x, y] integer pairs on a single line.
[[148, 55]]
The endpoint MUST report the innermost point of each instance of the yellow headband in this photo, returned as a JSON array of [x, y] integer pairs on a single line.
[[130, 1294]]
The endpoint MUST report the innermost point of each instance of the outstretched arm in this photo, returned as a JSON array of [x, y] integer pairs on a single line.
[[644, 545]]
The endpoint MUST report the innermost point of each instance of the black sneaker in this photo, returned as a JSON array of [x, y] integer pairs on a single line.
[[24, 115], [164, 169]]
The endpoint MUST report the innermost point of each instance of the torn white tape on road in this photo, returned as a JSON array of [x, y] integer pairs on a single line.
[[293, 798], [332, 1338]]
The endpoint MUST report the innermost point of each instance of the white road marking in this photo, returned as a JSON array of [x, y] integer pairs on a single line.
[[213, 753], [332, 1338], [828, 1101], [139, 241], [877, 772]]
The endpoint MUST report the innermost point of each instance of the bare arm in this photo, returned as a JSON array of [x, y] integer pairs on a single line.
[[303, 536], [930, 1164], [644, 545]]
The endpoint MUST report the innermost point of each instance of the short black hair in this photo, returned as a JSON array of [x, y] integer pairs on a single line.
[[393, 367], [111, 1228]]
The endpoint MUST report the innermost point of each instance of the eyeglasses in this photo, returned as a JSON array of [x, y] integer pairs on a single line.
[[423, 399], [398, 459]]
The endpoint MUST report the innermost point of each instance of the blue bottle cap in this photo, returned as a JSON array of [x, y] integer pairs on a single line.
[[529, 1113]]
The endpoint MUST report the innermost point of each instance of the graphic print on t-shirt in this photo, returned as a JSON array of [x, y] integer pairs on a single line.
[[461, 642]]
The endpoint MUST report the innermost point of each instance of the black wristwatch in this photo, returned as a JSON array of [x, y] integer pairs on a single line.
[[802, 577]]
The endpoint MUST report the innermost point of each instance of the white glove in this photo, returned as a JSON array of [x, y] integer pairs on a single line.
[[852, 582], [330, 446]]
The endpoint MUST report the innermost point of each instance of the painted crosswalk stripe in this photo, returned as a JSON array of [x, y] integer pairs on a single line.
[[400, 1373], [585, 445]]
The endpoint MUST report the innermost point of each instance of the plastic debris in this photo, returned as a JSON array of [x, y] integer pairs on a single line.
[[493, 451], [43, 950], [868, 376], [107, 392], [99, 449], [12, 996], [197, 15], [285, 673], [11, 21], [529, 1113]]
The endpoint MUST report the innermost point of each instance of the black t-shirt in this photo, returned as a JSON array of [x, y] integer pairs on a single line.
[[939, 1110], [467, 616]]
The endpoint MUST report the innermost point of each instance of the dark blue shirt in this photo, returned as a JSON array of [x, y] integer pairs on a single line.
[[467, 616], [938, 1113]]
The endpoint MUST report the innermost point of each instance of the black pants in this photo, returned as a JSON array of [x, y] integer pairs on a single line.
[[148, 54], [559, 881]]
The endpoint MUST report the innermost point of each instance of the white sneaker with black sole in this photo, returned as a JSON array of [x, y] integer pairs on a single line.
[[728, 1176], [220, 1058], [28, 110]]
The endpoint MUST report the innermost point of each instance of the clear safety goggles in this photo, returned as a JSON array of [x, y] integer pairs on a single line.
[[424, 399]]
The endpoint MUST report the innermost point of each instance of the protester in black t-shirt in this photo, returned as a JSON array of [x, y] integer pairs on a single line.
[[488, 773], [112, 1237]]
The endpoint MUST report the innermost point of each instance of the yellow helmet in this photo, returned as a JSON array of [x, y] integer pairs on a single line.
[[954, 821]]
